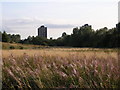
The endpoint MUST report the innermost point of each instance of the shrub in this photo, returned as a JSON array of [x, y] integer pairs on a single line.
[[20, 47], [12, 47]]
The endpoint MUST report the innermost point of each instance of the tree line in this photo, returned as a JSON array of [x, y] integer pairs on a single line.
[[83, 36], [10, 38]]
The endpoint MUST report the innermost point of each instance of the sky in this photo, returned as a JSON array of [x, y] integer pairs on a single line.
[[26, 16], [119, 12]]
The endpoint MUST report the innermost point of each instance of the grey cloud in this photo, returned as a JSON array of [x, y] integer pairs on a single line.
[[13, 25], [7, 29], [21, 21], [59, 26]]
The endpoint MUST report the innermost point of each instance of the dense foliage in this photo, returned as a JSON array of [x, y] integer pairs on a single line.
[[83, 36], [10, 38]]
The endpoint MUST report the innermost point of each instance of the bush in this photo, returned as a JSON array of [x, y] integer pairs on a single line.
[[20, 47], [12, 47]]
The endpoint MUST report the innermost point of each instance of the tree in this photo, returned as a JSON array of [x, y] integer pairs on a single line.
[[75, 30], [5, 37], [83, 36], [64, 34], [0, 36]]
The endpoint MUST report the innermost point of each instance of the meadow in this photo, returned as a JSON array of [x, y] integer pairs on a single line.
[[8, 46], [60, 68]]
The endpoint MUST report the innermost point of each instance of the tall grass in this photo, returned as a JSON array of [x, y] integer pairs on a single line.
[[7, 46], [54, 71]]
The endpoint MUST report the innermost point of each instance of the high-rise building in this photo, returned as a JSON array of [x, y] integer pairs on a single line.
[[42, 31]]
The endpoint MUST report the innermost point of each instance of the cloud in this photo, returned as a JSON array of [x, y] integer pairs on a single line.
[[23, 21], [7, 29], [51, 0], [59, 26], [29, 22]]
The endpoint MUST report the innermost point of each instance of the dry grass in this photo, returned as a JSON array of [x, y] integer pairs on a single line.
[[20, 46], [63, 52], [60, 68]]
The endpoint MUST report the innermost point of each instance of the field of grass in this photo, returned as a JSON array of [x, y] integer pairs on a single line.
[[60, 68], [8, 46]]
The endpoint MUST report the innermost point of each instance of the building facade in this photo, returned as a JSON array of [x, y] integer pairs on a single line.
[[42, 31]]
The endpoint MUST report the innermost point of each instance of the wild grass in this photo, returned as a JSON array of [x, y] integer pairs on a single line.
[[55, 68], [8, 46]]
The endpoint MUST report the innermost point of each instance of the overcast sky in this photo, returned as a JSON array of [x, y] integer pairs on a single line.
[[24, 17]]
